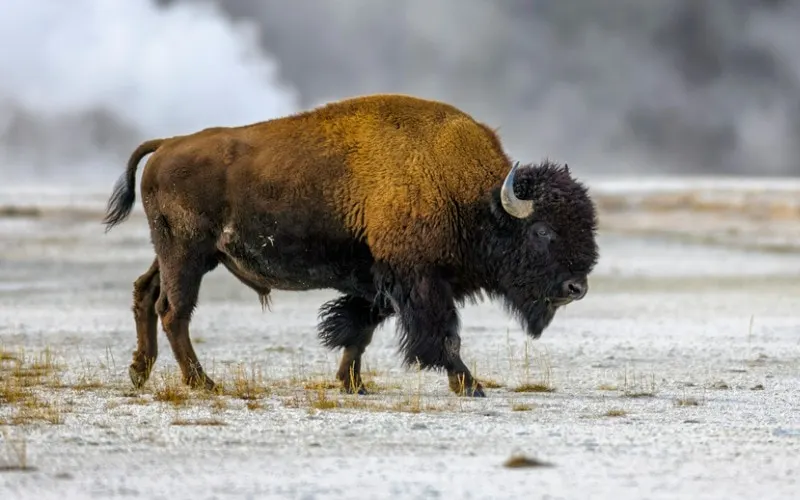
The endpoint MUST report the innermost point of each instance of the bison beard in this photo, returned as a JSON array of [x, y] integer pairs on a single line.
[[405, 206]]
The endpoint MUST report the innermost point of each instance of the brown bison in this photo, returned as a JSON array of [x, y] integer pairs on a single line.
[[406, 206]]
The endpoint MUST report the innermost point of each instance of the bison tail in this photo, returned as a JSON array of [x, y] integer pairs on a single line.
[[124, 195]]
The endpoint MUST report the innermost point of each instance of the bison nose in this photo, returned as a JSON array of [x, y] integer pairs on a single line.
[[574, 289]]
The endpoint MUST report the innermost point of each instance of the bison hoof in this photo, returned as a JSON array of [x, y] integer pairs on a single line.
[[195, 377], [470, 389], [138, 378], [201, 382], [477, 392], [349, 390]]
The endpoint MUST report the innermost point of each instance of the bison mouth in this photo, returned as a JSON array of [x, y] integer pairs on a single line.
[[570, 290]]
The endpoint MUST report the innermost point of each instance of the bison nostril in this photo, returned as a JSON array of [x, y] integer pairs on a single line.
[[575, 289]]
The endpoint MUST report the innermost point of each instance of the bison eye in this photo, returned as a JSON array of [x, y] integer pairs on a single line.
[[544, 232]]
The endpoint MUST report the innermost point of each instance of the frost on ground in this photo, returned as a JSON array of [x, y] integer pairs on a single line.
[[677, 377]]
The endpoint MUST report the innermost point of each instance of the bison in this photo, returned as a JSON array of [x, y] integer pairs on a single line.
[[406, 206]]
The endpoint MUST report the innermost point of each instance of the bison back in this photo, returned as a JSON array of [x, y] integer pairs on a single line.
[[415, 170]]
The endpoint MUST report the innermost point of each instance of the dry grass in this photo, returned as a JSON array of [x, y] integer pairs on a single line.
[[615, 412], [686, 400], [316, 385], [6, 355], [246, 384], [254, 405], [12, 392], [26, 370], [320, 400], [89, 378], [219, 404], [171, 389], [488, 383], [87, 383], [205, 422], [533, 387], [318, 394], [22, 376], [37, 410], [638, 387], [29, 382], [138, 401], [31, 391], [536, 371]]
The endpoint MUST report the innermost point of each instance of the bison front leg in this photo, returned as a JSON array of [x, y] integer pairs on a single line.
[[429, 322], [145, 293], [349, 322]]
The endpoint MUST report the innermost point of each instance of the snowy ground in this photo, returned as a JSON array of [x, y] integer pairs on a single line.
[[677, 377]]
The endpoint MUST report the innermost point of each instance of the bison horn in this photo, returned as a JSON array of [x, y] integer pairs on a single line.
[[511, 204]]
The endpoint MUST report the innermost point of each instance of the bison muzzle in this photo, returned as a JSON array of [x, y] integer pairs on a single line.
[[407, 207]]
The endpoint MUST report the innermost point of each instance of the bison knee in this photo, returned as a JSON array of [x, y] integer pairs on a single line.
[[162, 305]]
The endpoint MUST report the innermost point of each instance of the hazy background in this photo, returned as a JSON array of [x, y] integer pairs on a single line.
[[611, 86]]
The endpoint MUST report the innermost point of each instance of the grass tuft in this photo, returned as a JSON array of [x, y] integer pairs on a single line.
[[219, 404], [171, 389], [321, 401], [206, 422], [247, 385], [638, 387], [317, 385], [490, 383], [540, 383], [254, 405], [533, 387]]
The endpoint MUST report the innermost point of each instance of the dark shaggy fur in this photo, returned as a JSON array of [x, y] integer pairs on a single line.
[[391, 200]]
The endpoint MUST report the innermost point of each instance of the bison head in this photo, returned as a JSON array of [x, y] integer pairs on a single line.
[[540, 244]]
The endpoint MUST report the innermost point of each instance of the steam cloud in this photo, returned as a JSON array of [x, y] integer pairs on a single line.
[[85, 80], [611, 86]]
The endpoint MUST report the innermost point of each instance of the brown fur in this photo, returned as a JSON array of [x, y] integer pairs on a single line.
[[396, 170], [391, 179]]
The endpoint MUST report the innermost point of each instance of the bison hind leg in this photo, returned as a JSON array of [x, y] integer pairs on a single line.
[[146, 290], [349, 322], [182, 264]]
